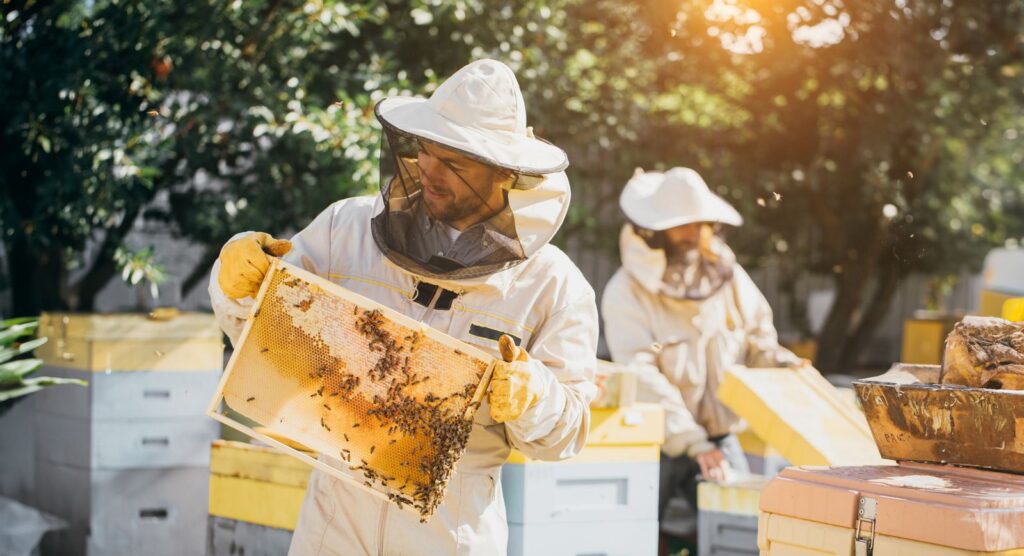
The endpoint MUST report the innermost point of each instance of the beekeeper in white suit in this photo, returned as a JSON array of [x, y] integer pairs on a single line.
[[458, 239], [682, 311]]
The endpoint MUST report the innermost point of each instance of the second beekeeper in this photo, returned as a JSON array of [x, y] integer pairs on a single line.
[[683, 311], [457, 239]]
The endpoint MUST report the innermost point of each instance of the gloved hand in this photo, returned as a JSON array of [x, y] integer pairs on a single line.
[[244, 263], [514, 386], [713, 465]]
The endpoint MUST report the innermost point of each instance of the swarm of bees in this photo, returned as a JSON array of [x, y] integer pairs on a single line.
[[409, 438]]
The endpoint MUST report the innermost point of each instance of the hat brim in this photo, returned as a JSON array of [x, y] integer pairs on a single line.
[[520, 153], [711, 208]]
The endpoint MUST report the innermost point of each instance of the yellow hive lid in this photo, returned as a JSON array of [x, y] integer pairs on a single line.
[[799, 414]]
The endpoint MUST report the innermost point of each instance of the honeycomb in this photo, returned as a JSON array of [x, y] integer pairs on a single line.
[[389, 399]]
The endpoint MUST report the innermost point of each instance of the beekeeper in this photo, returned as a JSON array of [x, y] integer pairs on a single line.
[[682, 312], [459, 239]]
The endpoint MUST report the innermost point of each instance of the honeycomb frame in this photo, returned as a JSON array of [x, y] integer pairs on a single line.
[[388, 402]]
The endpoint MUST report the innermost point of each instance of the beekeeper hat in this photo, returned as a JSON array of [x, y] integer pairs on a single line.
[[659, 201], [479, 112]]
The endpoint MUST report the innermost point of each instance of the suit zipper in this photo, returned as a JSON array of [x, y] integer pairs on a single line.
[[430, 306]]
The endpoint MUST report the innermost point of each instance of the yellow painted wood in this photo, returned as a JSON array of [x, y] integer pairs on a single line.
[[754, 445], [259, 502], [779, 535], [595, 454], [128, 326], [641, 423], [259, 463], [632, 433], [256, 484], [991, 302], [738, 497], [100, 343], [1013, 309], [797, 412], [923, 342]]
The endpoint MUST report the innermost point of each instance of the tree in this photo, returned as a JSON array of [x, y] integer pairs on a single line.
[[864, 141], [213, 117]]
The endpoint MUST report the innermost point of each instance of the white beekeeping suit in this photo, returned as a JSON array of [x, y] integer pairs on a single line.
[[684, 324], [497, 277]]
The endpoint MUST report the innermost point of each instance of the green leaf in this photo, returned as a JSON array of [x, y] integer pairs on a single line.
[[19, 320], [36, 384], [17, 331], [6, 354], [19, 392], [21, 367]]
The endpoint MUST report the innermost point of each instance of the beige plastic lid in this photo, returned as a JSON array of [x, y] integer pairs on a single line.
[[969, 509]]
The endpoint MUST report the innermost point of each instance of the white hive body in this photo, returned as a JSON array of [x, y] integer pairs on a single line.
[[388, 400]]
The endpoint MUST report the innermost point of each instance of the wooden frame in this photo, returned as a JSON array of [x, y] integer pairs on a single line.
[[361, 302]]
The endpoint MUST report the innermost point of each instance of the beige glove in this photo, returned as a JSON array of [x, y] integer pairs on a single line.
[[514, 386], [244, 263]]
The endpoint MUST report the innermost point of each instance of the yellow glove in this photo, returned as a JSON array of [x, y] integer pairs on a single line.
[[514, 387], [244, 263]]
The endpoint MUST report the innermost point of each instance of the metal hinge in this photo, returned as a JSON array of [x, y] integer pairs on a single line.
[[864, 541]]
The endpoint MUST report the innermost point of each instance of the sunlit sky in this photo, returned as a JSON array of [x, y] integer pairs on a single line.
[[824, 32]]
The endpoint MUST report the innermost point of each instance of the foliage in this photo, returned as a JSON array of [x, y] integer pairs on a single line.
[[17, 365]]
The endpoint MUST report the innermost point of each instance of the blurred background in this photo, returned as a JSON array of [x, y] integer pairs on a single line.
[[874, 147]]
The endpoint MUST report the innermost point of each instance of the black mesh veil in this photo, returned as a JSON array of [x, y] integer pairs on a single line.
[[411, 237]]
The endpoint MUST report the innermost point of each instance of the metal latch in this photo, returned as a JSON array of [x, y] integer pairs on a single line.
[[864, 540]]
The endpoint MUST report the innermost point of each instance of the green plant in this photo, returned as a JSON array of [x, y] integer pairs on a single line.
[[16, 363], [137, 266]]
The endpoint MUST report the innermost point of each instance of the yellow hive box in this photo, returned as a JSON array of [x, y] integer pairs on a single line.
[[256, 484], [740, 496], [633, 433], [1013, 309], [909, 510], [924, 339], [131, 342], [797, 412], [991, 302]]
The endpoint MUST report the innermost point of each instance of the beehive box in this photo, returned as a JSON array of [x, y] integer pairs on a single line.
[[912, 418], [908, 509], [389, 400], [255, 484], [727, 516]]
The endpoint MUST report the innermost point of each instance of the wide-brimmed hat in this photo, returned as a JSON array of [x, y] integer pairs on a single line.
[[478, 111], [659, 201]]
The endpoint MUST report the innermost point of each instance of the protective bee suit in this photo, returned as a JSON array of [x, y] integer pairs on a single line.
[[683, 323], [498, 277]]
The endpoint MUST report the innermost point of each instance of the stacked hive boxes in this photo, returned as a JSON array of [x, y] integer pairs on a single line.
[[727, 517], [124, 461], [794, 415], [603, 501], [255, 497]]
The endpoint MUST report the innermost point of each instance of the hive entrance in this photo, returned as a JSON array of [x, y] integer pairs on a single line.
[[389, 400]]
